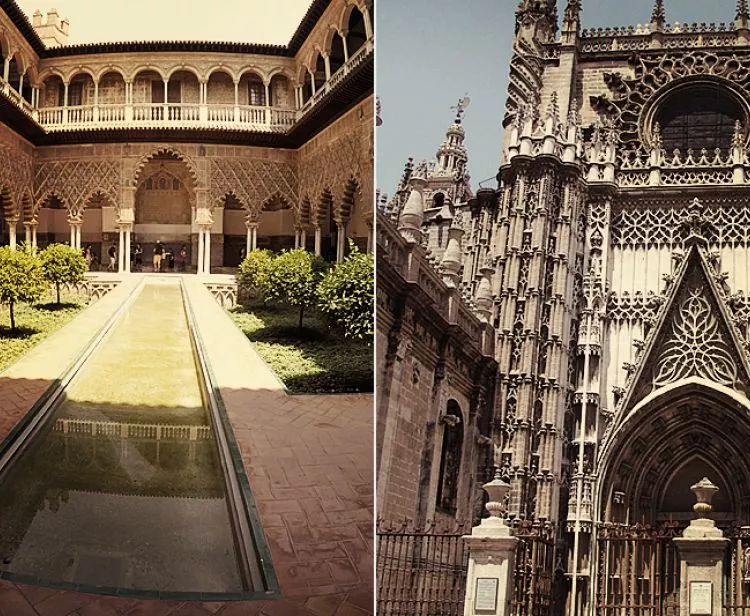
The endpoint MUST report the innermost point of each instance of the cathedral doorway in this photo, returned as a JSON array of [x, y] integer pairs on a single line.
[[164, 205], [668, 442]]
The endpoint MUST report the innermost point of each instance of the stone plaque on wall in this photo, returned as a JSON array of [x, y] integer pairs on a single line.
[[700, 598], [485, 597]]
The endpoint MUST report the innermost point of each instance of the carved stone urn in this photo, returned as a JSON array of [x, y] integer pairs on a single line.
[[704, 492]]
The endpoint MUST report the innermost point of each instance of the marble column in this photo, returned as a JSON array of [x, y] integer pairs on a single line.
[[317, 240], [121, 251], [128, 229], [12, 233], [200, 251], [207, 251]]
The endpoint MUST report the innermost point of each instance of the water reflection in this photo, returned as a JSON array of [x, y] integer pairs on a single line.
[[122, 504]]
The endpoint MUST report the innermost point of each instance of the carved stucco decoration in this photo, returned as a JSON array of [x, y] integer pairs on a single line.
[[633, 98], [343, 167], [168, 150], [253, 181], [15, 181], [75, 181]]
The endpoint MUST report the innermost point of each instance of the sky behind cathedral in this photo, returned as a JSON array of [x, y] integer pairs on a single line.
[[431, 53], [249, 21]]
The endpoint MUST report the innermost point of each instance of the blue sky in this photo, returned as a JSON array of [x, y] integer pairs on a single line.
[[432, 52]]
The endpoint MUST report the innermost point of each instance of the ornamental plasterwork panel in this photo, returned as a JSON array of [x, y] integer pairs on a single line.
[[252, 181], [16, 175], [632, 98], [75, 181], [332, 165]]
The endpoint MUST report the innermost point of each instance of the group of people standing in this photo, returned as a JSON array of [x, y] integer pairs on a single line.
[[164, 258]]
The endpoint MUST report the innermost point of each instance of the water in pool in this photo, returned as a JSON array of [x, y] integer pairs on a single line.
[[124, 489]]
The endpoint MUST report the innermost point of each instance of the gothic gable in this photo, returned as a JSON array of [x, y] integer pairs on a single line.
[[693, 337]]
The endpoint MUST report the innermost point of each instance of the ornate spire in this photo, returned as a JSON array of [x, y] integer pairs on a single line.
[[658, 16], [536, 20], [742, 16], [572, 17]]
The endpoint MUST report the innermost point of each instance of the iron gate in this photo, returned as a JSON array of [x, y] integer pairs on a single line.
[[638, 571], [534, 570]]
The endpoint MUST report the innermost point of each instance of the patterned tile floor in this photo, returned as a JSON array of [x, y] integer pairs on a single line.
[[308, 459]]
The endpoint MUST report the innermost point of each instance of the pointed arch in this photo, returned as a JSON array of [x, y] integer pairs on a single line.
[[275, 201], [230, 200], [46, 196], [665, 431], [97, 194], [171, 151]]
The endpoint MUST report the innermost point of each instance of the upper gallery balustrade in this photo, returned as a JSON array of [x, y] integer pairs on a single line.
[[162, 88]]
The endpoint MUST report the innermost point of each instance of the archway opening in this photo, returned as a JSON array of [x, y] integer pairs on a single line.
[[356, 34], [235, 231], [164, 201], [276, 224]]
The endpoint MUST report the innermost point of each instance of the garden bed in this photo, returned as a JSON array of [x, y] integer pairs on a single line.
[[313, 360], [34, 322]]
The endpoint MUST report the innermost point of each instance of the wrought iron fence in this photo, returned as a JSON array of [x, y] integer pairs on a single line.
[[421, 570], [737, 572]]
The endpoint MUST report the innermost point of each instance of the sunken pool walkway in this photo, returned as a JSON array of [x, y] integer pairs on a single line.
[[308, 459]]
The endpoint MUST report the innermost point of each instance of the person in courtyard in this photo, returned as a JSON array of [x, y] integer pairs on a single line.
[[112, 253], [138, 258], [243, 254], [158, 254], [182, 259], [88, 254], [170, 258]]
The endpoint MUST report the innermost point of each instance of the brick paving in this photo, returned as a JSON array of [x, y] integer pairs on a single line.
[[308, 460]]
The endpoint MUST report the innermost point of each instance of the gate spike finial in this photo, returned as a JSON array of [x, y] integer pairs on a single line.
[[658, 16]]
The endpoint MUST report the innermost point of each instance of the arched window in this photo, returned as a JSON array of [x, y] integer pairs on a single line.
[[699, 116], [450, 458]]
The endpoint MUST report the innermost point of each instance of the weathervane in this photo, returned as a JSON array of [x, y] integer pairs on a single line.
[[461, 106]]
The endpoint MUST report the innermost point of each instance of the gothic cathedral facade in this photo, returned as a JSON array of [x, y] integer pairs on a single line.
[[582, 330]]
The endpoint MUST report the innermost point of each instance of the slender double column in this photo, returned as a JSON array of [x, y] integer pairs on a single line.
[[75, 233], [252, 236]]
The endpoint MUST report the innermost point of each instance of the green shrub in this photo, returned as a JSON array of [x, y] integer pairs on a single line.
[[293, 279], [253, 272], [62, 264], [345, 295], [21, 279]]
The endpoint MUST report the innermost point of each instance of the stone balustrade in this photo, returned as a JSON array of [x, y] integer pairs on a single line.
[[129, 114]]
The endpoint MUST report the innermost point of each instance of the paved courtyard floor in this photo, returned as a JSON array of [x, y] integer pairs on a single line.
[[308, 460]]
